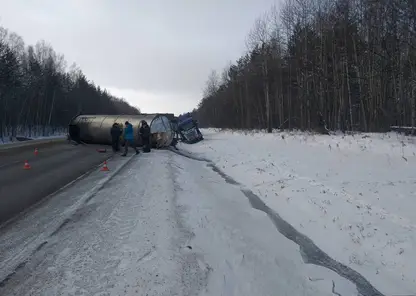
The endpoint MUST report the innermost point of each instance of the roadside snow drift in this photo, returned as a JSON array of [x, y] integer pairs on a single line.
[[354, 196]]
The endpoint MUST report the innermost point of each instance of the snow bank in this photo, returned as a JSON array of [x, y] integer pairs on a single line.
[[244, 252], [354, 195], [37, 133]]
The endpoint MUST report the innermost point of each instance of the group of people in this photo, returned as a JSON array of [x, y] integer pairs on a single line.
[[128, 137]]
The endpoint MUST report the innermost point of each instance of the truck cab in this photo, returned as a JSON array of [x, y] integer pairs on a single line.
[[188, 130]]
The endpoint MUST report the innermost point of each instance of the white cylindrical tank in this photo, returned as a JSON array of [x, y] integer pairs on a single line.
[[95, 129]]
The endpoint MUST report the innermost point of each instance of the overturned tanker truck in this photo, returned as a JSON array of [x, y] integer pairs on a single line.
[[95, 129]]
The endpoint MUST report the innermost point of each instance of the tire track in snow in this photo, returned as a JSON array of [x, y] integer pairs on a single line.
[[310, 253], [195, 271], [115, 217], [13, 264], [123, 241]]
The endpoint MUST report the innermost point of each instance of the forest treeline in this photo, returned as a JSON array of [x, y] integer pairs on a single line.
[[38, 94], [353, 61]]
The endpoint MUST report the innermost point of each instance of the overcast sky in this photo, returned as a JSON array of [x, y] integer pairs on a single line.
[[156, 54]]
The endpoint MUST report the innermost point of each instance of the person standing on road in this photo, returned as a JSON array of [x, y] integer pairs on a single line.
[[129, 138], [195, 122], [144, 132], [74, 133], [115, 137]]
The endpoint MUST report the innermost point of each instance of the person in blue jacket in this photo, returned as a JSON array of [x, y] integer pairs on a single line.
[[129, 138]]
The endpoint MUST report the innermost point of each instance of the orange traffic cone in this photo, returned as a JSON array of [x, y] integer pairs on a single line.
[[36, 151], [105, 167], [26, 166]]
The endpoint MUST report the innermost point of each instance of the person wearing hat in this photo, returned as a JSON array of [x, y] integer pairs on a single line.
[[129, 138], [115, 137], [144, 133]]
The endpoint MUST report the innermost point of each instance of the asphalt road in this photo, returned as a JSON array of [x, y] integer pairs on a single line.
[[56, 165]]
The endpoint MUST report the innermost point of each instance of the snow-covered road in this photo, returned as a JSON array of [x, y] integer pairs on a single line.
[[157, 224]]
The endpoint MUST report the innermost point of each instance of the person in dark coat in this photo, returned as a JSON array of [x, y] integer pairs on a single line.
[[74, 133], [115, 137], [144, 132], [197, 128], [322, 124]]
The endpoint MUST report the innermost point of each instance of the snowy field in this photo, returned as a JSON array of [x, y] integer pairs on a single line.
[[157, 224], [354, 196]]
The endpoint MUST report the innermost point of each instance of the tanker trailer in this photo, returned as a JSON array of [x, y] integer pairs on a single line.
[[95, 129]]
